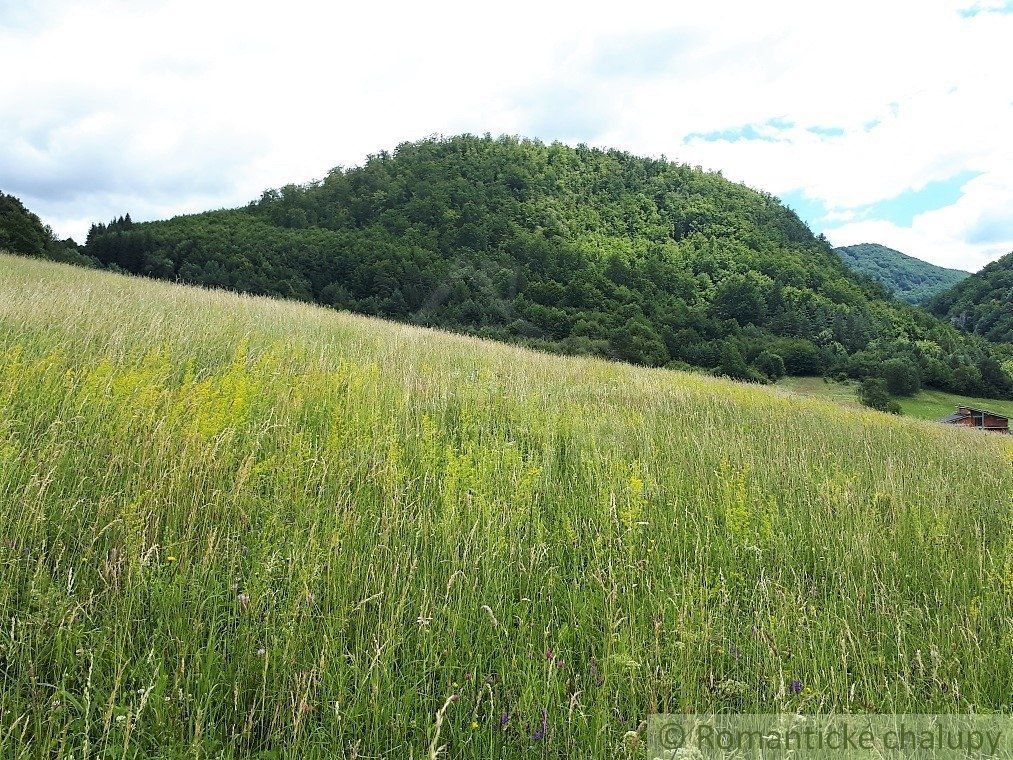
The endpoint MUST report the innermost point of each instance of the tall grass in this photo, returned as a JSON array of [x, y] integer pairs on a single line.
[[231, 526]]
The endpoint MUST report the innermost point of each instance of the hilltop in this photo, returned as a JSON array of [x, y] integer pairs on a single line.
[[22, 232], [242, 527], [573, 250], [983, 303], [910, 279]]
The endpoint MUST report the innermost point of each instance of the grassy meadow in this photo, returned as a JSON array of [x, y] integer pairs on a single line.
[[236, 527], [927, 404]]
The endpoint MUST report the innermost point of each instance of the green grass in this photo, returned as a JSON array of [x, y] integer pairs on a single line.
[[928, 404], [237, 527], [934, 405], [818, 387]]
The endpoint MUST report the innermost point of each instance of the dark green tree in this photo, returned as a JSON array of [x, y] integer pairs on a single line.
[[639, 343], [20, 230], [874, 393], [770, 364], [902, 376]]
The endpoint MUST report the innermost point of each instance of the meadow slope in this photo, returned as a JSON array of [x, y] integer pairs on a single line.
[[231, 526], [926, 404]]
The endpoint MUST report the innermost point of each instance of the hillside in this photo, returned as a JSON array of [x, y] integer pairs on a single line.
[[908, 278], [566, 249], [983, 303], [929, 405], [234, 526], [23, 232]]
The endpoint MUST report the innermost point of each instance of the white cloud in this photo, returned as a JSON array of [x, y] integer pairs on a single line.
[[161, 107], [978, 228]]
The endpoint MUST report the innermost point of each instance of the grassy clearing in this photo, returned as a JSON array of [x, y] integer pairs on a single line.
[[232, 526], [927, 404], [934, 405], [819, 387]]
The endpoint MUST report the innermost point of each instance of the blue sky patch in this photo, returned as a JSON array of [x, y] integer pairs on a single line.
[[734, 134], [765, 132], [826, 131], [901, 209], [974, 10], [744, 132]]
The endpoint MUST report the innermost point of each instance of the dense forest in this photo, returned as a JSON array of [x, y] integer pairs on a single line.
[[908, 278], [574, 250], [983, 303], [23, 232]]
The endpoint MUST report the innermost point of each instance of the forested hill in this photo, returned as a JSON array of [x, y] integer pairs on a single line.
[[983, 303], [908, 278], [568, 249]]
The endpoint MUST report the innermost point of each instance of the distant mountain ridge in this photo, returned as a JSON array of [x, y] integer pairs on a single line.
[[907, 277], [982, 303]]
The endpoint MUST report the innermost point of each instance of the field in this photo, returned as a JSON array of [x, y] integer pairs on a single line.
[[927, 404], [237, 527]]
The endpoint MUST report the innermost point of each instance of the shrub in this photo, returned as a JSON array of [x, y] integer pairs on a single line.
[[770, 364], [639, 343], [801, 357], [902, 376], [732, 363], [875, 394]]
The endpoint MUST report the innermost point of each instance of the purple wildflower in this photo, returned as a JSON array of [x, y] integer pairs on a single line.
[[543, 727], [795, 686]]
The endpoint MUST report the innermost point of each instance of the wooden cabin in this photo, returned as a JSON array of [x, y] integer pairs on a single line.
[[978, 418]]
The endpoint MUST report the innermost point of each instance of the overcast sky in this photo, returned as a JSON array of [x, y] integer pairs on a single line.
[[886, 121]]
